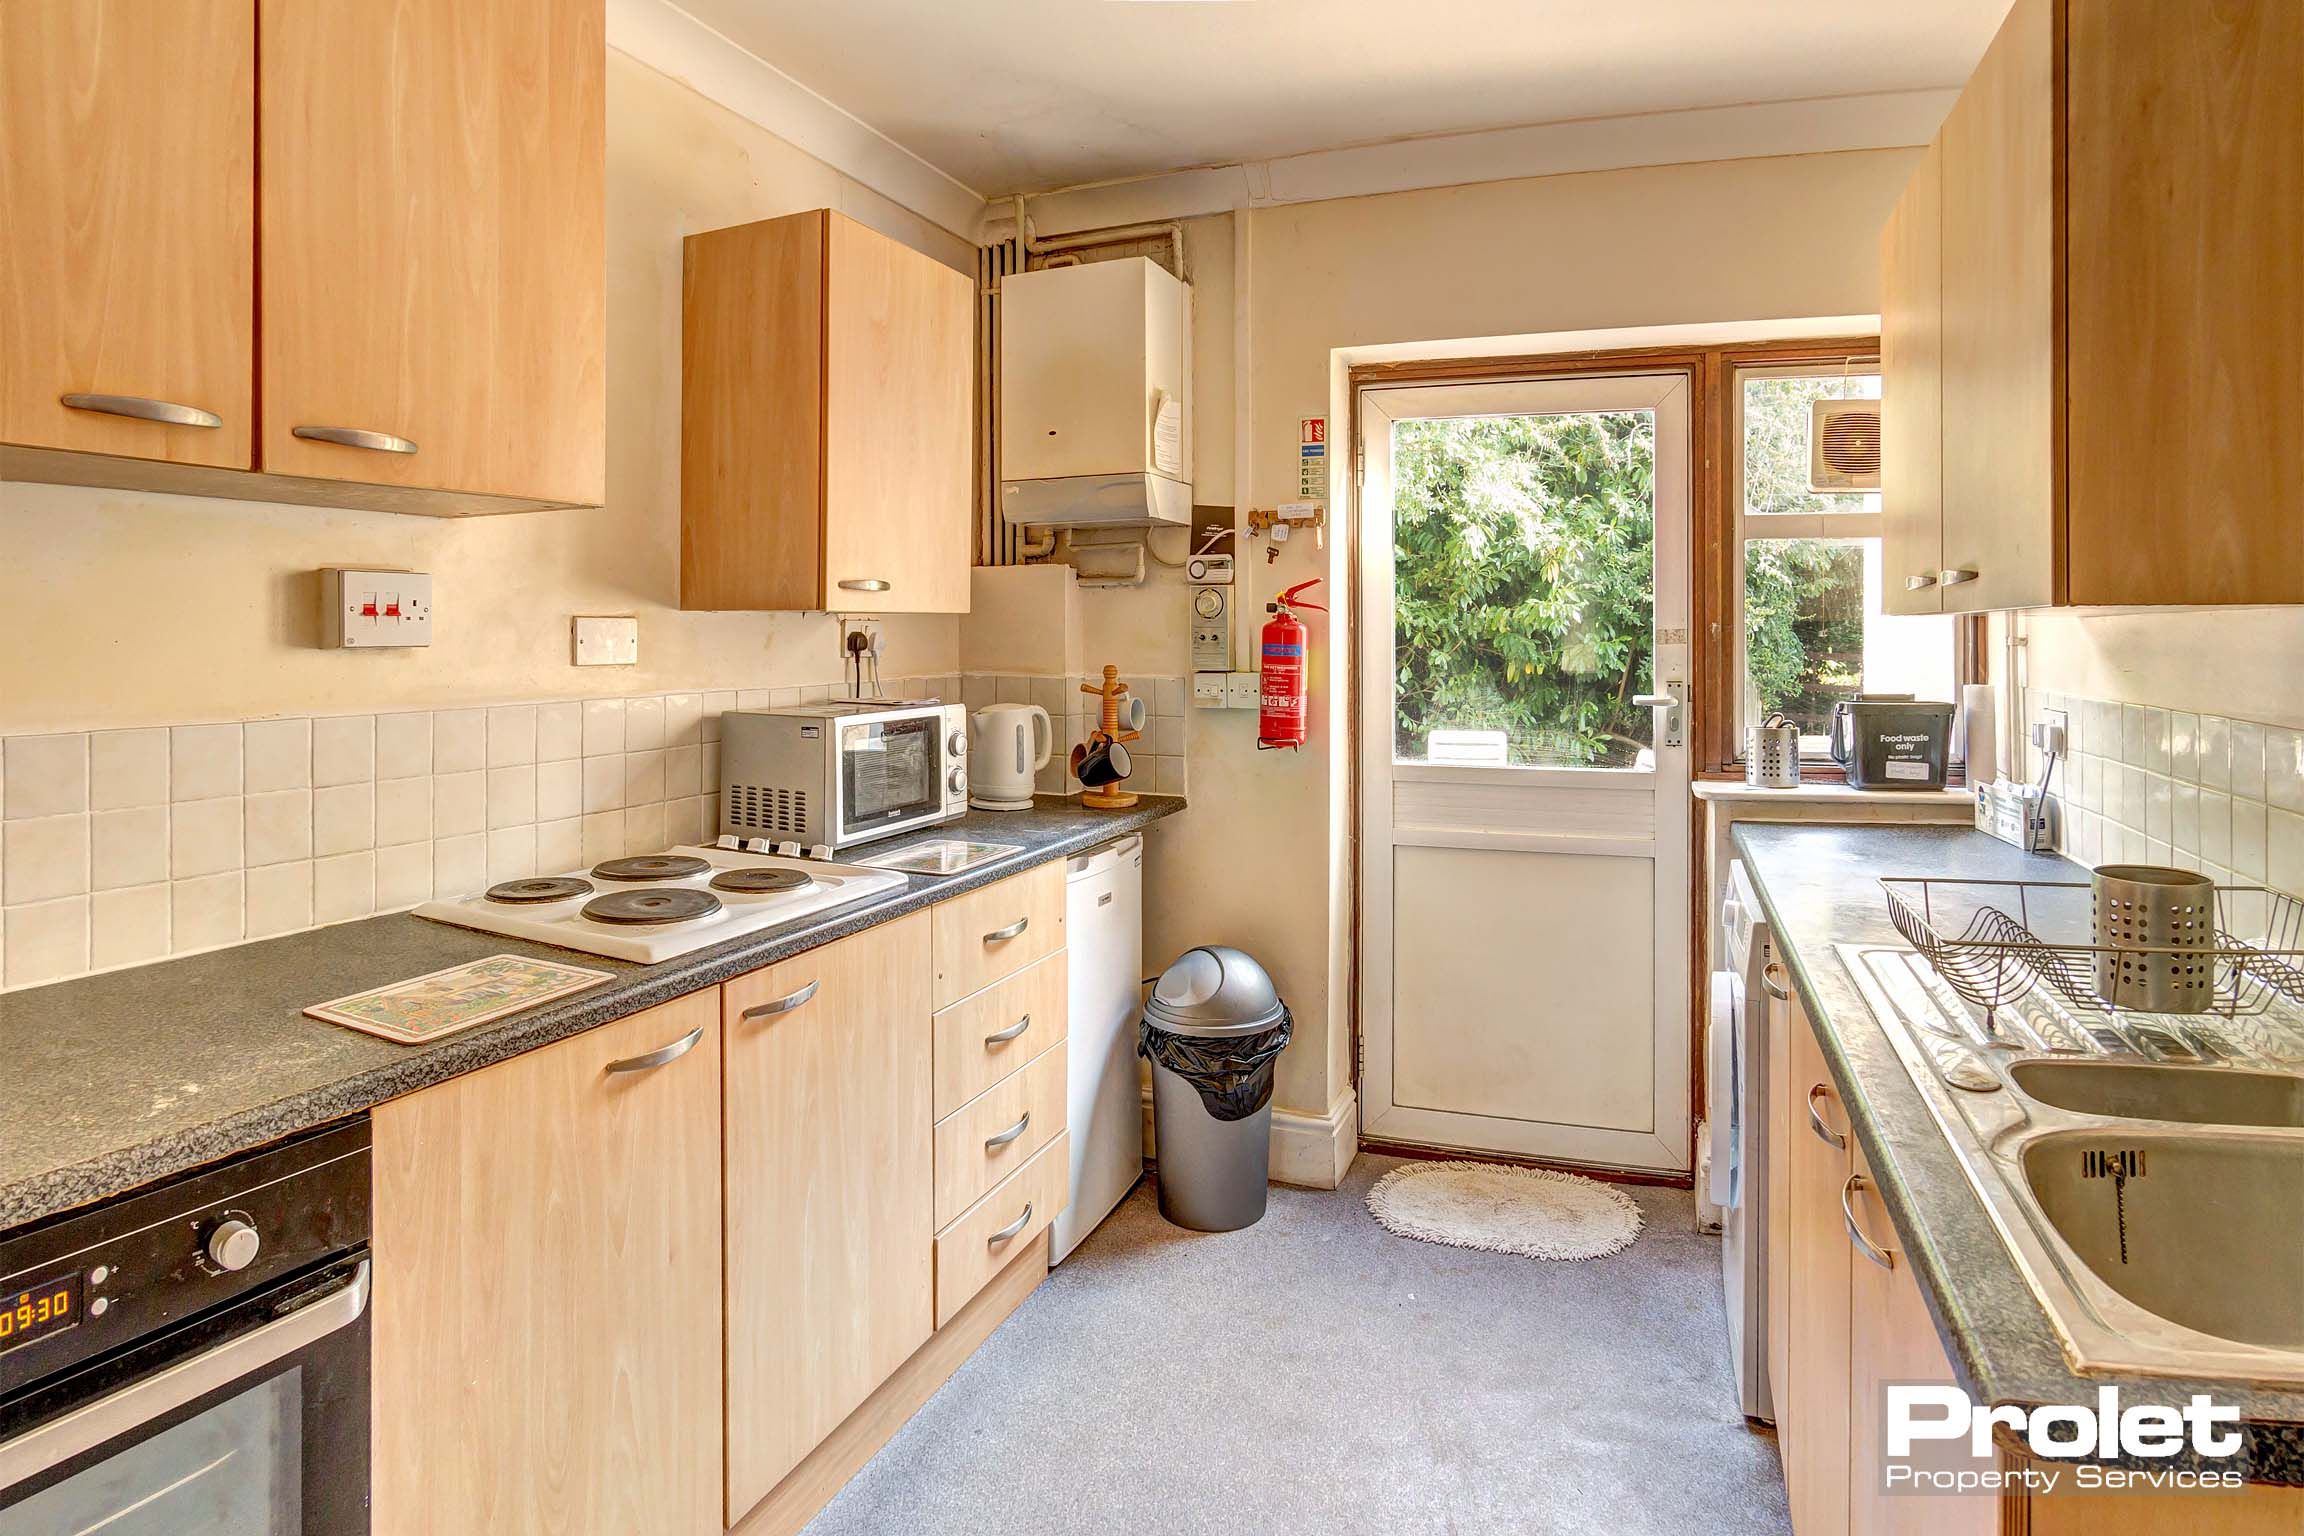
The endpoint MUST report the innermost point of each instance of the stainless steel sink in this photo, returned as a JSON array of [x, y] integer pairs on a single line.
[[2206, 1231], [2145, 1172], [2136, 1090]]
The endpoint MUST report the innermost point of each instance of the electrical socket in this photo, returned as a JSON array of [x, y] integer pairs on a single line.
[[852, 625], [2050, 730]]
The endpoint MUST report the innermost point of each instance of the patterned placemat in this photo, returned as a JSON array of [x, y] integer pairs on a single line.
[[441, 1003]]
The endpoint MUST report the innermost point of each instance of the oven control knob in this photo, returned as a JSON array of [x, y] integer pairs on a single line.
[[233, 1244], [956, 745], [957, 780]]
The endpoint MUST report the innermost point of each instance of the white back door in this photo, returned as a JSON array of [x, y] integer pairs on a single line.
[[1525, 907]]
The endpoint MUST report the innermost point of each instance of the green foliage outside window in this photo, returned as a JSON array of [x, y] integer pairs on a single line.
[[1524, 551]]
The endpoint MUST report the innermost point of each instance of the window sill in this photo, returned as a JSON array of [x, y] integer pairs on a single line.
[[1826, 793]]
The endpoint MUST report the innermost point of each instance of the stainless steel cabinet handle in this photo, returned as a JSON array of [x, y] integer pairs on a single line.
[[1013, 930], [1772, 981], [1010, 1230], [143, 408], [1003, 1036], [1921, 582], [355, 437], [783, 1004], [1864, 1245], [1955, 578], [83, 1429], [865, 584], [994, 1143], [1824, 1133], [659, 1056]]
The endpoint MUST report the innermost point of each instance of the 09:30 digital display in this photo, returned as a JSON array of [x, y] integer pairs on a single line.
[[38, 1311]]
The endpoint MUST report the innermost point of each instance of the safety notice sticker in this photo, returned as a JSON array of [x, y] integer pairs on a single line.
[[1312, 458]]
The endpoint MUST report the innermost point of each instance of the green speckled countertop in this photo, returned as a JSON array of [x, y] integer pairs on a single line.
[[1818, 885], [116, 1080]]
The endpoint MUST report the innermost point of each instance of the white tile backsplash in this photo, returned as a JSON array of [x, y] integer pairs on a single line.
[[120, 847], [45, 775], [127, 769], [276, 754]]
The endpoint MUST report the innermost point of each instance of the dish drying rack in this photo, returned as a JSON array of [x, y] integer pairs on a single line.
[[1996, 960]]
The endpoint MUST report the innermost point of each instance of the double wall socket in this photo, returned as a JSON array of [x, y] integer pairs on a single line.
[[374, 610]]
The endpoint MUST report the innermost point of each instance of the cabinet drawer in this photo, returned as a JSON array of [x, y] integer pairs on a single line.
[[997, 931], [971, 1054], [998, 1131], [1000, 1226]]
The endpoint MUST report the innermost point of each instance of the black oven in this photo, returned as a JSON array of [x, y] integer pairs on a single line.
[[192, 1359]]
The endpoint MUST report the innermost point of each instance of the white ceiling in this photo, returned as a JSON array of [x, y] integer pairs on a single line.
[[1028, 95]]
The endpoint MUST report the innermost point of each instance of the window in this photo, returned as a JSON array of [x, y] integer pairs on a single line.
[[1806, 584]]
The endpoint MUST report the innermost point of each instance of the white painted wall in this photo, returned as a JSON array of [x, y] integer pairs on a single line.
[[129, 609]]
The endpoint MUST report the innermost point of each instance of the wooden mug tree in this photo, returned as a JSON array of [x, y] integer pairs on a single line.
[[1109, 797]]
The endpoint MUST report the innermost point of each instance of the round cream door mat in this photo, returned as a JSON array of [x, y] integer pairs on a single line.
[[1534, 1212]]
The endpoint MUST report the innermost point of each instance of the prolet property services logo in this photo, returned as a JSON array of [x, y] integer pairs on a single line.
[[1940, 1441]]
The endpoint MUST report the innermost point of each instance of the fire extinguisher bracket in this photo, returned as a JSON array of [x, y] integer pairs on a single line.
[[1284, 649]]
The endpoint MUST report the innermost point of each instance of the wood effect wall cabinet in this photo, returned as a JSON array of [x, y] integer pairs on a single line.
[[827, 1130], [2119, 341], [127, 228], [1912, 412], [547, 1309], [431, 203], [826, 410]]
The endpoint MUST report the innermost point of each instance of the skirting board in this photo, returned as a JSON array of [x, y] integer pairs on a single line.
[[1311, 1151]]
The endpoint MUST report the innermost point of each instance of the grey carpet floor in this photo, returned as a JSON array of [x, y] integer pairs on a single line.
[[1315, 1373]]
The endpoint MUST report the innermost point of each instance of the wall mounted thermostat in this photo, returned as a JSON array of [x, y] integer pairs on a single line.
[[1209, 570], [1211, 629], [372, 610]]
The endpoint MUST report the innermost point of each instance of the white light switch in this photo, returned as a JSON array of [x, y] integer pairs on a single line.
[[1207, 690], [370, 610], [1242, 690], [607, 641]]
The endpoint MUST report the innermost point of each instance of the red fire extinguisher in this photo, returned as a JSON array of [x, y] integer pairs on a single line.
[[1280, 722]]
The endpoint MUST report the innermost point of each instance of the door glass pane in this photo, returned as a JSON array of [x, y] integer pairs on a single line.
[[1524, 589], [235, 1470]]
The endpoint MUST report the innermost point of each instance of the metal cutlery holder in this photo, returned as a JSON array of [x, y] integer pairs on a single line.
[[2155, 938], [1772, 754]]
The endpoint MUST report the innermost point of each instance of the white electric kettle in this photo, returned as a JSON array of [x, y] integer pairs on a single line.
[[1007, 745]]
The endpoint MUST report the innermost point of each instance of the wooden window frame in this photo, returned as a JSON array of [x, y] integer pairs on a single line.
[[1714, 684]]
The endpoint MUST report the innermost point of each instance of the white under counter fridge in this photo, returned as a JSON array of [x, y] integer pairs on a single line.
[[1104, 934]]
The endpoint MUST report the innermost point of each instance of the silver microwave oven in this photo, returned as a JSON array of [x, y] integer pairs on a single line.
[[842, 773]]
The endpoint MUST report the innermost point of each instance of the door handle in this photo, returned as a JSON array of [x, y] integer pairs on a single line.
[[995, 1143], [1824, 1133], [1670, 701], [142, 408], [355, 437], [1013, 930], [1921, 582], [1003, 1036], [783, 1004], [1864, 1245], [1010, 1230], [1955, 578], [659, 1056]]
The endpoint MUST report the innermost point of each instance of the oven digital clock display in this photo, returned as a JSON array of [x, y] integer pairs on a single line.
[[38, 1311]]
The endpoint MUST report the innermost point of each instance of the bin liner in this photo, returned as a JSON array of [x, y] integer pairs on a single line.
[[1232, 1073]]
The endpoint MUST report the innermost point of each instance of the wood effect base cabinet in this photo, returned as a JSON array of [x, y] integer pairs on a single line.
[[825, 421], [546, 1315], [2090, 320], [827, 1130], [1811, 1137]]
